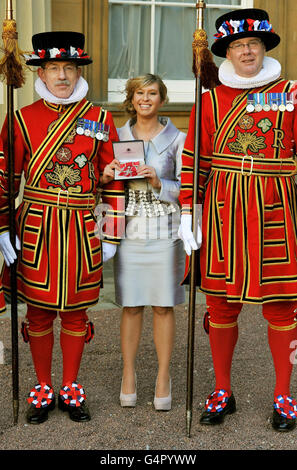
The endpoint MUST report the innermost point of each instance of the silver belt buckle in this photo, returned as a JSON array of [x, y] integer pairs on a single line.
[[58, 201], [242, 164]]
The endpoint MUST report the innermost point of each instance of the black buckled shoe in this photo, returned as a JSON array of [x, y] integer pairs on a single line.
[[284, 413], [72, 399], [76, 413], [217, 406], [42, 400]]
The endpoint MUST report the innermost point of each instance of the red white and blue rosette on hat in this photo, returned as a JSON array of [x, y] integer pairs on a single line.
[[242, 23], [58, 46]]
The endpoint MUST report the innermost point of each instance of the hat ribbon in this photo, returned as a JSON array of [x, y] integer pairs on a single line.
[[55, 53], [234, 27]]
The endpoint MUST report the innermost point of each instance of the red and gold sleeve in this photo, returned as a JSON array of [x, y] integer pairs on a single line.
[[112, 193]]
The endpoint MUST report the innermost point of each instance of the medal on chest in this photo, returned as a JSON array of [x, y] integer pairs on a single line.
[[257, 102], [266, 105], [282, 104], [92, 129], [250, 106], [274, 101], [289, 102]]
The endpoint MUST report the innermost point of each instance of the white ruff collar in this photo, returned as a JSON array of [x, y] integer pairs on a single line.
[[79, 92], [270, 71]]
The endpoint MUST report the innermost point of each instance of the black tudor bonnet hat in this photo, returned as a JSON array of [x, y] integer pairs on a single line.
[[238, 24], [58, 46]]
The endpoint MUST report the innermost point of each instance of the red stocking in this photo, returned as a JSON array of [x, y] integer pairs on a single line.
[[223, 339], [282, 341], [72, 340], [41, 341]]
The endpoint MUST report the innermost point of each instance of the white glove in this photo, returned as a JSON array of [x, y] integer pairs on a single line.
[[109, 250], [187, 236], [6, 248]]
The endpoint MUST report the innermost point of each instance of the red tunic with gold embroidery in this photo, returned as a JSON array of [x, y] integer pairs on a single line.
[[249, 223], [60, 263]]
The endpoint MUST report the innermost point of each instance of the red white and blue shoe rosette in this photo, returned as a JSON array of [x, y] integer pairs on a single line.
[[72, 394], [41, 395], [286, 406], [216, 401]]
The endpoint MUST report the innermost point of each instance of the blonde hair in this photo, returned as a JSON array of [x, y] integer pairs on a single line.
[[134, 84]]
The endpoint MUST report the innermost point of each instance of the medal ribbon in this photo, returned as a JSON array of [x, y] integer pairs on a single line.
[[270, 101], [93, 129]]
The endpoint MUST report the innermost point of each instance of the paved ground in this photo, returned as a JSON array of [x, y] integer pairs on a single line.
[[113, 428]]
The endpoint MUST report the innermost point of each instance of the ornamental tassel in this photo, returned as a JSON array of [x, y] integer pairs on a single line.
[[11, 64], [203, 64]]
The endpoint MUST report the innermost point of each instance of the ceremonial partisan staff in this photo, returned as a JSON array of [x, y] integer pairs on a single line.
[[206, 76], [11, 71]]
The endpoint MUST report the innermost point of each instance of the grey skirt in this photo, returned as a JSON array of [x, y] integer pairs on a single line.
[[149, 263]]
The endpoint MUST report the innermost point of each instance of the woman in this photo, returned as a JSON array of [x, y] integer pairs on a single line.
[[149, 263]]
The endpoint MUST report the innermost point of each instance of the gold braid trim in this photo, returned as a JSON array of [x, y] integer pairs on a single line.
[[283, 328], [73, 333], [223, 325], [40, 333]]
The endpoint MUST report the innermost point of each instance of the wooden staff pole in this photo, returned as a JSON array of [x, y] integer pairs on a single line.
[[193, 268], [13, 276], [11, 70]]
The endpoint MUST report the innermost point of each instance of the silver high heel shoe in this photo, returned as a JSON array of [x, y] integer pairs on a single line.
[[163, 403], [129, 399]]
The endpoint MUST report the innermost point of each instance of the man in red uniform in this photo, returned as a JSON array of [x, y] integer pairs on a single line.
[[62, 144], [248, 191]]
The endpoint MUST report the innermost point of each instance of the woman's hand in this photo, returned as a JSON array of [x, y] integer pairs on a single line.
[[150, 174], [108, 172]]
